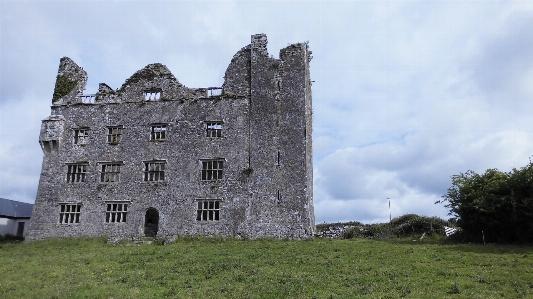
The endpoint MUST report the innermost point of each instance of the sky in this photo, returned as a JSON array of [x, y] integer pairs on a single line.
[[405, 93]]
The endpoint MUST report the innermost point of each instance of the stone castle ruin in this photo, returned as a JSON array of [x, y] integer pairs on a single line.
[[155, 158]]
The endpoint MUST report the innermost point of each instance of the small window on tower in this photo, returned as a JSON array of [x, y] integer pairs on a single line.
[[214, 129], [159, 133], [152, 95], [114, 134], [81, 136]]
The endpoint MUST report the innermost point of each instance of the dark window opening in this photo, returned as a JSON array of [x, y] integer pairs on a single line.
[[116, 212], [81, 136], [76, 173], [50, 146], [110, 173], [69, 213], [212, 170], [208, 210], [114, 135], [154, 171]]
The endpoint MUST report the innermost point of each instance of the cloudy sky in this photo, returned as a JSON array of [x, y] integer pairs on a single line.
[[406, 93]]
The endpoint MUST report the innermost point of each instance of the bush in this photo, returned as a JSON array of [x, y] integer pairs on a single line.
[[9, 238], [410, 224], [497, 205]]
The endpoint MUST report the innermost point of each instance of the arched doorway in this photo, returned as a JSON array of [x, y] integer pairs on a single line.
[[151, 222]]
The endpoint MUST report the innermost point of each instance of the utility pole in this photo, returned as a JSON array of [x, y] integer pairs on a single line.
[[390, 215], [390, 219]]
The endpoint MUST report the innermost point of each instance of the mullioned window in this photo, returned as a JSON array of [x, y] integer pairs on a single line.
[[208, 210], [154, 171], [77, 172], [69, 213], [212, 170]]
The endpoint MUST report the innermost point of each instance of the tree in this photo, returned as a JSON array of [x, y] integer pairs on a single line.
[[496, 203]]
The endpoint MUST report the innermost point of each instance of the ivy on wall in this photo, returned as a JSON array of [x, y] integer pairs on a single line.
[[149, 73], [63, 87]]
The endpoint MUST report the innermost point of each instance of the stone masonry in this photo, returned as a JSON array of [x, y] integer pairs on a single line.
[[155, 158]]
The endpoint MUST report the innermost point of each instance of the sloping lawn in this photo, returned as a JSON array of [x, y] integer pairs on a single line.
[[228, 268]]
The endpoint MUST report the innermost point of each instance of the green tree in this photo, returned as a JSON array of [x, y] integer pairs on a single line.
[[495, 204]]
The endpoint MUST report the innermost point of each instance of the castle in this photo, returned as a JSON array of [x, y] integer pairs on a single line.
[[155, 158]]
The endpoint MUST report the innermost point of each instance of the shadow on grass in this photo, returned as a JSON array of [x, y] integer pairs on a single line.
[[9, 238], [452, 244]]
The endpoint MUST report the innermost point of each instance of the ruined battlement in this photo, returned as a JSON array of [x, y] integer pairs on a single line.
[[156, 158], [156, 82]]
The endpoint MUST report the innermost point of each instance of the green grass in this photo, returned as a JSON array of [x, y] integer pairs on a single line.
[[228, 268]]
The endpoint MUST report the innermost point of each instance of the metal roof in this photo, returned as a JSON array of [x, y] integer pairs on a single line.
[[15, 209]]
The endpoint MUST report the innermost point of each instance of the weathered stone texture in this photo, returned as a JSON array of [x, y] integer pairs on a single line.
[[265, 115]]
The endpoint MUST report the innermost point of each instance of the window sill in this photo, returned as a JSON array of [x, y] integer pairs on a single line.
[[156, 183], [212, 181]]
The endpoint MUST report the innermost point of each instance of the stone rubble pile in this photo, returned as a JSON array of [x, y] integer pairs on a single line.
[[333, 232]]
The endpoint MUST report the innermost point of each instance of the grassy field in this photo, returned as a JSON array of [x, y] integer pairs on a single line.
[[228, 268]]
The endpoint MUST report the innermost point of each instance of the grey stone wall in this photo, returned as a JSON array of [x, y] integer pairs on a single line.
[[266, 148]]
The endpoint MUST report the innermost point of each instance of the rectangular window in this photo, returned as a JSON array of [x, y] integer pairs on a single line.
[[214, 91], [214, 129], [76, 173], [114, 134], [158, 132], [69, 213], [212, 170], [116, 212], [81, 136], [154, 171], [152, 95], [208, 210], [110, 173]]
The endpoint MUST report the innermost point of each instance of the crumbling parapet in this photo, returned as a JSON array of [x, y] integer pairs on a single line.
[[106, 94], [237, 77], [70, 81]]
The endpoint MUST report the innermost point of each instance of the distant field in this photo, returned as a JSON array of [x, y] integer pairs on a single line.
[[227, 268]]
